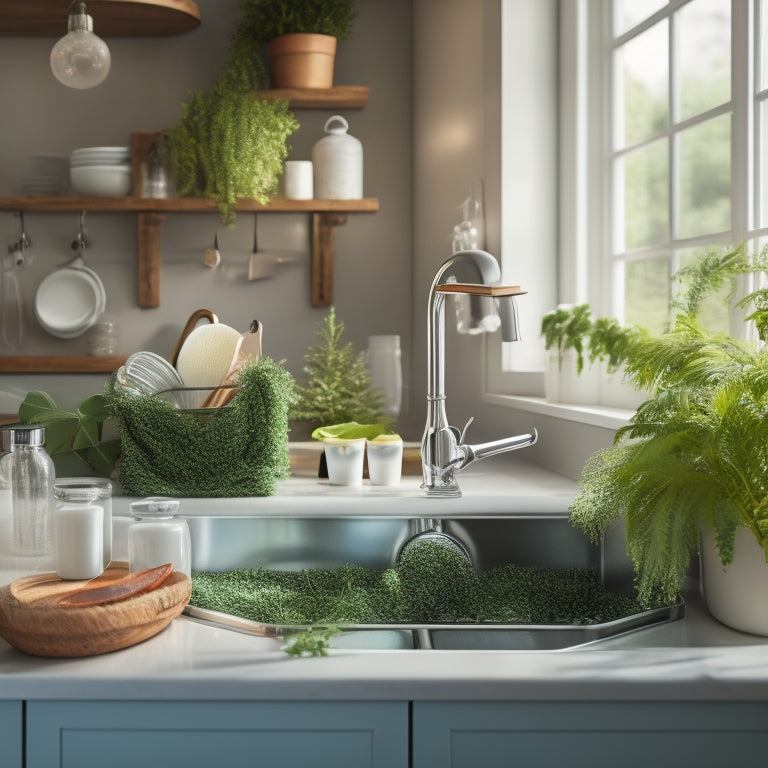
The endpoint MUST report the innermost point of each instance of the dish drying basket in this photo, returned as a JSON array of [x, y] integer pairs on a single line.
[[171, 446]]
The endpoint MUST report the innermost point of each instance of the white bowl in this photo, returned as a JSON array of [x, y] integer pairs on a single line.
[[111, 180]]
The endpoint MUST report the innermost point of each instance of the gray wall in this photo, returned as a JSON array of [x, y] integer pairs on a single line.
[[144, 91]]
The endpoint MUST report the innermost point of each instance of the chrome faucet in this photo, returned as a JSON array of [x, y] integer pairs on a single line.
[[443, 450]]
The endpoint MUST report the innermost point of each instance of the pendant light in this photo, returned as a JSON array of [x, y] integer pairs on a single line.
[[80, 59]]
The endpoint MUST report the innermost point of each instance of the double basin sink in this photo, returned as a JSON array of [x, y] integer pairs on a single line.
[[309, 524]]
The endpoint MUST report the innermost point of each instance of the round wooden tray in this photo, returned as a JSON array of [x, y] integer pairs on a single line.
[[31, 620]]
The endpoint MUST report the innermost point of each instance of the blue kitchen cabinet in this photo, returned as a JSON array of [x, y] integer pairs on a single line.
[[590, 734], [11, 738], [158, 734]]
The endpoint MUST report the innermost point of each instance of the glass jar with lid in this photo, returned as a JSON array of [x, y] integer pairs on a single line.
[[83, 526], [159, 536]]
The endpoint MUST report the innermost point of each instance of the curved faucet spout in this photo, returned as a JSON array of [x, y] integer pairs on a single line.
[[464, 272]]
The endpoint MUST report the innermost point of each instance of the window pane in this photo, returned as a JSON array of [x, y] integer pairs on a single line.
[[762, 181], [627, 13], [641, 69], [713, 310], [646, 196], [646, 294], [705, 178], [763, 45], [704, 56]]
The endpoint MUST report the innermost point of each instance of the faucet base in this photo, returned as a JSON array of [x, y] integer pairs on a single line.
[[443, 491]]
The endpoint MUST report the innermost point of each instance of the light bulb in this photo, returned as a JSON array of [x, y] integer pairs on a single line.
[[80, 59]]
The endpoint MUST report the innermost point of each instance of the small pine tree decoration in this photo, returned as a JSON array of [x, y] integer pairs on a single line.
[[338, 386]]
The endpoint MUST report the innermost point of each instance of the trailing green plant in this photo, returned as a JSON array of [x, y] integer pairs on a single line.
[[78, 433], [338, 385], [229, 145], [612, 342], [696, 452], [568, 328], [266, 19]]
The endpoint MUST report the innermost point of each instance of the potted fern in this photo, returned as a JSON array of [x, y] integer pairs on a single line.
[[228, 145], [692, 465], [566, 332], [301, 37]]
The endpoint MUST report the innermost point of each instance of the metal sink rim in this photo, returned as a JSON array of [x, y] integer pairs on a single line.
[[425, 634]]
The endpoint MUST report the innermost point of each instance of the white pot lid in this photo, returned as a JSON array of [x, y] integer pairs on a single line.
[[69, 300]]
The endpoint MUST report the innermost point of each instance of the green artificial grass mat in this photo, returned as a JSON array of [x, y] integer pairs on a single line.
[[432, 583]]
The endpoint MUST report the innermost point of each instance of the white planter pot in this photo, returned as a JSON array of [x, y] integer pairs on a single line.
[[564, 385], [736, 595]]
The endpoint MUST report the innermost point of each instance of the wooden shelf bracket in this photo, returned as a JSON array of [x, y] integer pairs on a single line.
[[148, 258], [323, 242]]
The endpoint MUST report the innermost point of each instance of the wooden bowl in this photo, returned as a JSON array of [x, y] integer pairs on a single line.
[[33, 622]]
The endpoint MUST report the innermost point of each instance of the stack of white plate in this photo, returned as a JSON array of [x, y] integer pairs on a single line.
[[69, 300], [101, 170]]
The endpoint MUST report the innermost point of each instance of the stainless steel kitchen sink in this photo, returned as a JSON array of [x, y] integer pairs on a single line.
[[221, 543]]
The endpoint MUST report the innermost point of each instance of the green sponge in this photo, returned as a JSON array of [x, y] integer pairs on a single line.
[[238, 450]]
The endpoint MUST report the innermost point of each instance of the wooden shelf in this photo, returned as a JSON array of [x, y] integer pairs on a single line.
[[111, 18], [49, 364], [326, 216], [338, 97], [180, 205]]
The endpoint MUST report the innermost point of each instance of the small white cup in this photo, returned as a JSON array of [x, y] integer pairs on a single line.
[[385, 460], [297, 180], [344, 459]]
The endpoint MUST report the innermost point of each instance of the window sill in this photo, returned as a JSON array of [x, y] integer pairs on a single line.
[[595, 415]]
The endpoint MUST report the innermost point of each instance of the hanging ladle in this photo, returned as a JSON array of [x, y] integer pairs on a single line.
[[212, 256]]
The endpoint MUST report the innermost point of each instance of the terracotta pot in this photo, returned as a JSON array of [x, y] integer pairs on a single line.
[[302, 60]]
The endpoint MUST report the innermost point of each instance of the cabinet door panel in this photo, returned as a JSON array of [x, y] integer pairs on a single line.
[[10, 734], [589, 734], [205, 735]]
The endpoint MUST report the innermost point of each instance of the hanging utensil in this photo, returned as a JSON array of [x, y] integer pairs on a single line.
[[212, 256], [261, 266], [12, 313]]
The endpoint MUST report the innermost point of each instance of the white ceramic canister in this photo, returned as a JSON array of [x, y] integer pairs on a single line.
[[385, 368], [385, 459], [338, 163]]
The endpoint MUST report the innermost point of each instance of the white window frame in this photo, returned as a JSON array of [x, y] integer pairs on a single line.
[[584, 174]]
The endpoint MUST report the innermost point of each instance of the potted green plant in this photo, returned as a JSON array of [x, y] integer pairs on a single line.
[[301, 37], [566, 332], [228, 145], [338, 387], [692, 464]]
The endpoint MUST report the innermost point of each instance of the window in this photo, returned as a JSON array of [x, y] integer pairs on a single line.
[[663, 150]]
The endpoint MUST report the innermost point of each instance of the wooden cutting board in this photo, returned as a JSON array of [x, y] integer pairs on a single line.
[[31, 620]]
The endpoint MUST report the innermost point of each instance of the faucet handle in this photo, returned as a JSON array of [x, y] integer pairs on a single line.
[[464, 431]]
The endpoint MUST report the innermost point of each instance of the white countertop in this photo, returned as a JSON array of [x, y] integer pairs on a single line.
[[694, 658]]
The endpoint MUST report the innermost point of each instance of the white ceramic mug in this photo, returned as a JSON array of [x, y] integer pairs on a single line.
[[344, 459], [385, 460], [297, 180]]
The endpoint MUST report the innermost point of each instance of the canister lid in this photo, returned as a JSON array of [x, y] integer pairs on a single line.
[[155, 507], [82, 488], [25, 434]]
